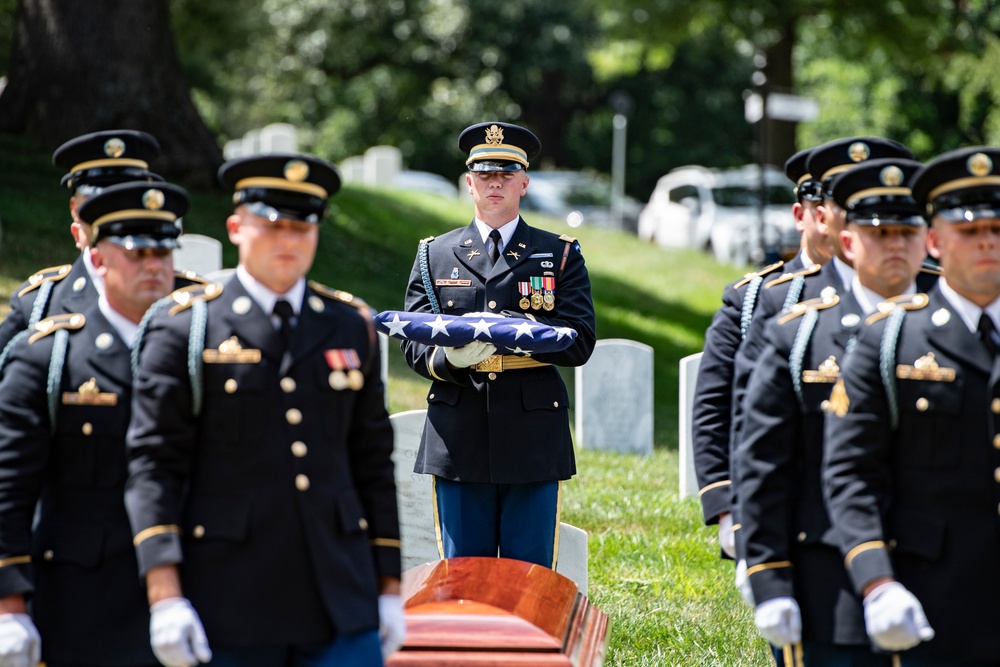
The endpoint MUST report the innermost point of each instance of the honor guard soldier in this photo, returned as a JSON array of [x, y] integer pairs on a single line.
[[912, 466], [261, 488], [824, 163], [497, 436], [92, 162], [713, 402], [65, 403], [804, 600]]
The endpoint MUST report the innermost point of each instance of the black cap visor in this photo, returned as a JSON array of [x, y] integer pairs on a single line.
[[495, 165]]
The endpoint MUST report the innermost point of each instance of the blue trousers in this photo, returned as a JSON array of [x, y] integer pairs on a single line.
[[360, 650], [518, 521]]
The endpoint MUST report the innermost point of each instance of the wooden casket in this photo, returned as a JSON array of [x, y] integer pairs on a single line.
[[488, 612]]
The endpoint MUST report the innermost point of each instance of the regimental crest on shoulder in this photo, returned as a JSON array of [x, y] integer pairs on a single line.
[[51, 274], [185, 296], [904, 301], [785, 277], [838, 403], [340, 295], [755, 274], [827, 300], [494, 135], [71, 321]]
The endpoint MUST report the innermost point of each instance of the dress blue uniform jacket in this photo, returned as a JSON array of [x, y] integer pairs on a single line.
[[920, 502], [791, 548], [713, 400], [86, 598], [277, 499], [510, 427]]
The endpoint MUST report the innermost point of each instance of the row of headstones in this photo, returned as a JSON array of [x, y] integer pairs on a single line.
[[614, 412]]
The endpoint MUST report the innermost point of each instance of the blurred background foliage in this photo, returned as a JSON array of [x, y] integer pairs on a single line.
[[351, 74]]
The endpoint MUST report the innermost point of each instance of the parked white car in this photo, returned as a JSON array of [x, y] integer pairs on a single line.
[[719, 211]]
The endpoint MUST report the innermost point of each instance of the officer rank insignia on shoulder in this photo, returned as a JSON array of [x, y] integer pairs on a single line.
[[785, 277], [925, 368], [71, 321], [339, 295], [89, 394], [231, 352], [755, 274], [822, 302], [185, 296], [570, 240], [904, 301], [51, 274]]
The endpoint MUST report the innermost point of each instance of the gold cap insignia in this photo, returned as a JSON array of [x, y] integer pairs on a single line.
[[891, 176], [296, 171], [114, 147], [858, 151], [153, 199], [494, 135], [979, 164]]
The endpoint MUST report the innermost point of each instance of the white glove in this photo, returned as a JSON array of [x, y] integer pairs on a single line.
[[727, 536], [20, 645], [894, 618], [743, 583], [391, 623], [469, 354], [176, 634], [779, 620]]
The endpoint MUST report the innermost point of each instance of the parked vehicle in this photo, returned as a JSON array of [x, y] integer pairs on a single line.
[[720, 211], [424, 181], [578, 197]]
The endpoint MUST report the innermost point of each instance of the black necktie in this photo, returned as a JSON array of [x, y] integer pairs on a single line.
[[283, 310], [495, 249], [988, 333]]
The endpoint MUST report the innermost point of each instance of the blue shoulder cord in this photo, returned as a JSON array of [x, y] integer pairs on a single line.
[[798, 352], [41, 304], [749, 301], [887, 362], [425, 275], [56, 362], [794, 292]]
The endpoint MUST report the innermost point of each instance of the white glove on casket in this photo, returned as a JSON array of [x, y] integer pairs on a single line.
[[391, 623], [176, 634], [894, 618], [20, 645], [469, 354], [743, 583], [727, 536], [779, 620]]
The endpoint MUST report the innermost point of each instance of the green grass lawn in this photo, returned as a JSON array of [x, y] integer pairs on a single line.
[[654, 567]]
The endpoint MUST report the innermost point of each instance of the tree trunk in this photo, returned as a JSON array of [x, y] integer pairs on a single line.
[[780, 134], [80, 67]]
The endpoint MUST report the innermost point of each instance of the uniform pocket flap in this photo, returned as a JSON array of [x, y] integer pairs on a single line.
[[917, 534], [215, 518], [61, 542], [443, 392]]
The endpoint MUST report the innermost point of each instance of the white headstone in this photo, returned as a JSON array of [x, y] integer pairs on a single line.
[[233, 149], [199, 253], [614, 398], [415, 496], [685, 441], [219, 276], [251, 142], [414, 492], [352, 169], [381, 165], [279, 138], [572, 559]]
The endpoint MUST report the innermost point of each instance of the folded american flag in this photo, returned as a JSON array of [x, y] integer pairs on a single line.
[[511, 335]]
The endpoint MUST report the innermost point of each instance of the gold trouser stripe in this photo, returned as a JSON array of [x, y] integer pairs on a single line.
[[769, 566], [386, 542], [896, 662], [714, 485], [799, 654], [153, 531], [864, 546], [555, 544], [437, 517], [506, 362], [430, 365], [15, 560]]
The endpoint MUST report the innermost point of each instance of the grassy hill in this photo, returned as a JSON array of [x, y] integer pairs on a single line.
[[653, 567]]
